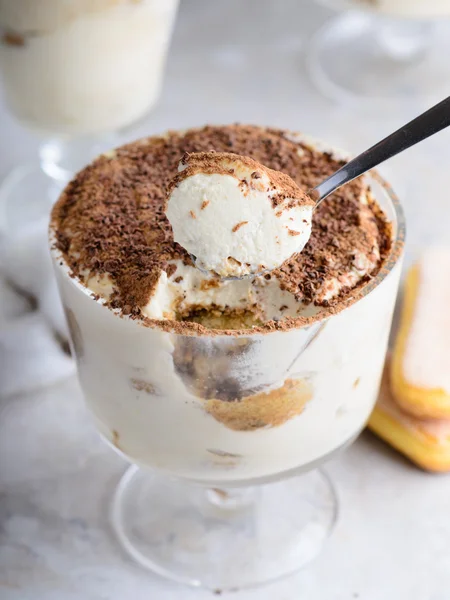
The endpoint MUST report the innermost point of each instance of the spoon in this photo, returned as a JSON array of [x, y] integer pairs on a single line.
[[430, 122]]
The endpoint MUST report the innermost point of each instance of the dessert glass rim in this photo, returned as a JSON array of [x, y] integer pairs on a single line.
[[188, 328]]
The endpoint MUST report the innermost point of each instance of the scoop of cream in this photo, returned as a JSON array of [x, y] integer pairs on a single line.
[[235, 216]]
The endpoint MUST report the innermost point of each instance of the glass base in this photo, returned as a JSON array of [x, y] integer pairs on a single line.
[[361, 58], [223, 539]]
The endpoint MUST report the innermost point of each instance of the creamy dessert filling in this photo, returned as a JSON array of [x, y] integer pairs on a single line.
[[77, 67], [111, 227], [235, 216]]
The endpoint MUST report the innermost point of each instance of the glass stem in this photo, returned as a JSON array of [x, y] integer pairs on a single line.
[[61, 158], [404, 40]]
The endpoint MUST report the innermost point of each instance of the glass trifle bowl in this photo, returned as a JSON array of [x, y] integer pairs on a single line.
[[225, 396]]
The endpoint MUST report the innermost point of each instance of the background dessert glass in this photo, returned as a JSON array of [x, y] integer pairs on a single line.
[[227, 430], [76, 72], [383, 50]]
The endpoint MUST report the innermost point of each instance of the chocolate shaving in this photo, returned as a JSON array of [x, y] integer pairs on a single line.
[[238, 226]]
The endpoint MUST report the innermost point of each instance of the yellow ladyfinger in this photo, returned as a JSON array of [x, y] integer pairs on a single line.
[[424, 441], [420, 371]]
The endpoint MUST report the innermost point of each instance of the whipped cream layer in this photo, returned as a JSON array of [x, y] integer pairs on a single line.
[[236, 216]]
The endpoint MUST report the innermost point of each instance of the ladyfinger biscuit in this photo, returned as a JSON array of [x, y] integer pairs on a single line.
[[424, 441], [420, 374]]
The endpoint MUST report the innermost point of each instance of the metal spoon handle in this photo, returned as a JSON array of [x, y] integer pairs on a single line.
[[428, 123]]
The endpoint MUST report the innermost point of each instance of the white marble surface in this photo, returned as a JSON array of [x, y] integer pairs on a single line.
[[56, 477]]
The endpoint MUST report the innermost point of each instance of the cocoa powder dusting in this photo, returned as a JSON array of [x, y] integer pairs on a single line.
[[110, 219]]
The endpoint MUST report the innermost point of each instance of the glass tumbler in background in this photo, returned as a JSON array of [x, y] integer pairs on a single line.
[[383, 51], [76, 73], [226, 431]]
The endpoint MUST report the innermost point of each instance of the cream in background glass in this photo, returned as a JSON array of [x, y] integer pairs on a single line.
[[165, 401], [83, 66], [245, 229]]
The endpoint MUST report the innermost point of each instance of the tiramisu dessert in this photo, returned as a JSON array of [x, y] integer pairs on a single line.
[[215, 373], [83, 66]]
